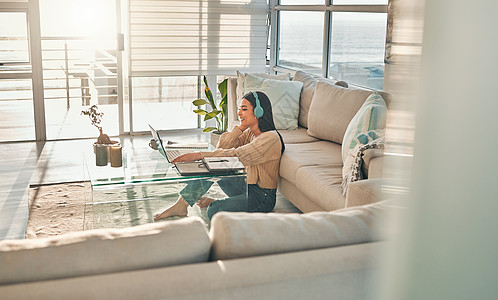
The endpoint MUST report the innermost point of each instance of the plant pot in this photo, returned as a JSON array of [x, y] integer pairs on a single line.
[[215, 137]]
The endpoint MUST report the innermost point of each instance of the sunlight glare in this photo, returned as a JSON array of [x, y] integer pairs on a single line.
[[88, 18]]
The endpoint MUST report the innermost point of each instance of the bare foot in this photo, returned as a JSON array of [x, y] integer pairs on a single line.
[[177, 209], [204, 201]]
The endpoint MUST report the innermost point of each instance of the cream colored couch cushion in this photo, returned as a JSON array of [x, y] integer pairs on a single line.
[[296, 197], [309, 83], [300, 135], [236, 235], [104, 251], [322, 184], [332, 109], [299, 155]]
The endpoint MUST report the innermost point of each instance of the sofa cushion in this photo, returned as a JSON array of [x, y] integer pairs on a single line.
[[236, 235], [322, 184], [104, 251], [309, 83], [299, 155], [332, 109], [296, 197], [371, 116], [241, 77], [283, 95], [297, 136]]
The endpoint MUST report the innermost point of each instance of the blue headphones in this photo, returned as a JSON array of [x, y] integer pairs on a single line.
[[258, 110]]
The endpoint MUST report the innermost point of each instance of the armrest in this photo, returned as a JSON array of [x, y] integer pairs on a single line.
[[364, 192], [372, 163], [375, 168]]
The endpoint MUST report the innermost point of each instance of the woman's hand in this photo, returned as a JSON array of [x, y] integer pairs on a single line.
[[187, 157], [242, 127]]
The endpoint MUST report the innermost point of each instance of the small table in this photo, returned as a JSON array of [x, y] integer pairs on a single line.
[[145, 185]]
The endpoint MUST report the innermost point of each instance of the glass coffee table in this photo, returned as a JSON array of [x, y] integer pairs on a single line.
[[144, 185]]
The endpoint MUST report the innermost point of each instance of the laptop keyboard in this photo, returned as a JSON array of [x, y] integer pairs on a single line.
[[174, 153]]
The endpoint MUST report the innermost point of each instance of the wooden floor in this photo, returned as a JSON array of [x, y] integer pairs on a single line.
[[34, 163]]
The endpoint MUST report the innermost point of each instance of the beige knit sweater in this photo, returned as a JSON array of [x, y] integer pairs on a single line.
[[260, 156]]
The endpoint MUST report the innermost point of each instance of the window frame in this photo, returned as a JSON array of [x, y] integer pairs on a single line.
[[328, 8]]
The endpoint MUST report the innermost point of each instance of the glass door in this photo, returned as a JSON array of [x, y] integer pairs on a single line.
[[79, 56], [16, 97]]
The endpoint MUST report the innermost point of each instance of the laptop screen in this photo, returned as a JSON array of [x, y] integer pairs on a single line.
[[159, 142]]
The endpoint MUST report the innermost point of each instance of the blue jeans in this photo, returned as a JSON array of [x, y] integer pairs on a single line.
[[258, 199]]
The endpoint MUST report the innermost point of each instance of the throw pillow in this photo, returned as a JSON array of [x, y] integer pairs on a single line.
[[371, 115], [332, 109], [239, 91], [366, 137], [352, 168], [284, 97], [309, 83]]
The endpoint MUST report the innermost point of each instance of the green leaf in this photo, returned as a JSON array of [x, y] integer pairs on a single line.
[[212, 114], [199, 102], [209, 129], [222, 87], [201, 112], [209, 94]]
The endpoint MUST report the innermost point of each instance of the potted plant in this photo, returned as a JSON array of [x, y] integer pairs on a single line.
[[101, 146], [219, 113]]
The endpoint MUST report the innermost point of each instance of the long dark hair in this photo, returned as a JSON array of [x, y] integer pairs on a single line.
[[265, 123]]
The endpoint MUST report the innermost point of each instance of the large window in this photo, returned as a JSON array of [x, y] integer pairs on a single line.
[[173, 43], [301, 40], [339, 39], [357, 48]]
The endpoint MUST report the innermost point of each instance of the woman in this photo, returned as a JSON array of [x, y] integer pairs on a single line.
[[258, 145]]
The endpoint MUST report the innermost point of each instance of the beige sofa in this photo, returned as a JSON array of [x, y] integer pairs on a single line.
[[311, 166], [244, 256], [317, 255]]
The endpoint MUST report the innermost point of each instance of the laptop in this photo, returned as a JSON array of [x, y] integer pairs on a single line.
[[185, 168], [172, 150], [223, 165]]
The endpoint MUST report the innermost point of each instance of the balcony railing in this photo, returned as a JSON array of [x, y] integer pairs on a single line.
[[73, 68]]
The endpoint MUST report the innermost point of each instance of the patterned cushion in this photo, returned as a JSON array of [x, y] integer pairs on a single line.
[[366, 137], [371, 115], [284, 98], [352, 168]]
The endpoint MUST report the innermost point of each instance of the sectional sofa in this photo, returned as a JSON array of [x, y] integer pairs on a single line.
[[332, 251], [311, 166], [320, 255]]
